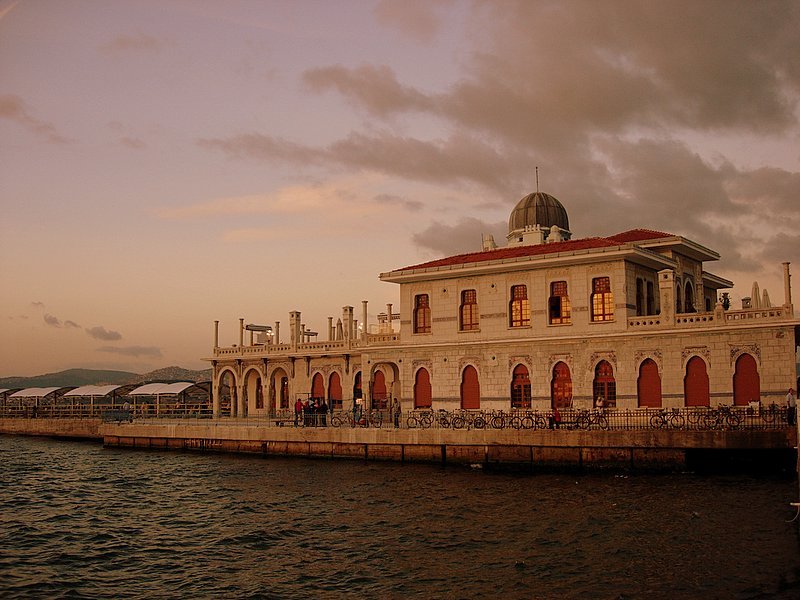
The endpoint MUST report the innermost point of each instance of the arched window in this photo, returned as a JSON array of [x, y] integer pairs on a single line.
[[422, 389], [379, 390], [558, 305], [648, 386], [519, 310], [317, 387], [357, 393], [678, 302], [695, 383], [688, 305], [279, 390], [651, 309], [604, 384], [227, 394], [470, 388], [602, 299], [561, 386], [422, 314], [746, 381], [335, 391], [259, 393], [520, 388], [468, 311]]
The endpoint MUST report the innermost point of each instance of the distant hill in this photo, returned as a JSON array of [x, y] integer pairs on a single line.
[[78, 377]]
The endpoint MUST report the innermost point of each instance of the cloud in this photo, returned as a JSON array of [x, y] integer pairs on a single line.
[[137, 351], [462, 237], [391, 200], [37, 305], [13, 108], [415, 18], [101, 333], [52, 321], [136, 43]]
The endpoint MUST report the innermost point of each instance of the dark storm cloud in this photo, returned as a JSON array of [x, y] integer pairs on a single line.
[[461, 238], [101, 333], [13, 108], [137, 351]]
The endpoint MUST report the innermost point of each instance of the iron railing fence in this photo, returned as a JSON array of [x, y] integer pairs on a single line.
[[685, 418]]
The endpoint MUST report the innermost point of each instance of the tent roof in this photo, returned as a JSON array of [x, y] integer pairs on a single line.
[[158, 389], [93, 390], [34, 392]]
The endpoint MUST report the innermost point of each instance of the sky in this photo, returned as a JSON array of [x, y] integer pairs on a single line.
[[168, 163]]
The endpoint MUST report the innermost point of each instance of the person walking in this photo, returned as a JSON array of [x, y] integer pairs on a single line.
[[791, 410]]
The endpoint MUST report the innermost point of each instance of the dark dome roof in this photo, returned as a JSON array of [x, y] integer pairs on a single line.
[[538, 209]]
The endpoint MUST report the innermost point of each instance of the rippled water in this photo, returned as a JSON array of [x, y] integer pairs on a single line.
[[79, 521]]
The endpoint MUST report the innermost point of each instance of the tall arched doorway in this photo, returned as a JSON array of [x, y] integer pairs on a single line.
[[604, 384], [252, 392], [335, 391], [357, 391], [470, 389], [648, 386], [520, 388], [746, 381], [561, 386], [379, 390], [279, 390], [317, 387], [226, 392], [695, 383], [422, 389]]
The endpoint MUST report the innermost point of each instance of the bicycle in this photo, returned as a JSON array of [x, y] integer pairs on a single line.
[[722, 418], [469, 420], [664, 419], [587, 420], [422, 420]]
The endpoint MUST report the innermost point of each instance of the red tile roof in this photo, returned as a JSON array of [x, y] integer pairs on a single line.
[[633, 235]]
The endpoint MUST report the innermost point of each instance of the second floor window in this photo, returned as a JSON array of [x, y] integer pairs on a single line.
[[559, 307], [519, 309], [602, 299], [422, 314], [469, 310]]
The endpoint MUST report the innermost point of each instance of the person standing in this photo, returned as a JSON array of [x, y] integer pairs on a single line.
[[396, 412], [600, 404], [791, 410], [298, 411]]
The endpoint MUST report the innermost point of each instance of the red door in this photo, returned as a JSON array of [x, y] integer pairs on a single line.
[[561, 386], [379, 390], [317, 387], [422, 389], [746, 382], [470, 389], [335, 390], [695, 384], [649, 385]]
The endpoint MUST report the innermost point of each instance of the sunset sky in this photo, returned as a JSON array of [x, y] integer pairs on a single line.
[[168, 163]]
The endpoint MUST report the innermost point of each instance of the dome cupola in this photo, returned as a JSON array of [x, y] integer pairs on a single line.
[[536, 219]]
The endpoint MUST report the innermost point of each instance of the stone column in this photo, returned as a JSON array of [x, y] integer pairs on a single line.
[[666, 291], [294, 329], [330, 329], [216, 334], [277, 333], [364, 320], [241, 333], [389, 318], [787, 285], [214, 390]]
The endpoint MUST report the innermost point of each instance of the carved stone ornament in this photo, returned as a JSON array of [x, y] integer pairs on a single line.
[[525, 359], [695, 351], [469, 360], [641, 355], [738, 350], [557, 358], [426, 364], [596, 357]]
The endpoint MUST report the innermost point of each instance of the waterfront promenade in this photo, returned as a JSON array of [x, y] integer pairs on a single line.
[[625, 439]]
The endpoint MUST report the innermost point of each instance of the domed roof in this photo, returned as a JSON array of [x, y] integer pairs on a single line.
[[540, 209]]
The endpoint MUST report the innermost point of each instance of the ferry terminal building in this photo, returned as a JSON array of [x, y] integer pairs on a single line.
[[545, 321]]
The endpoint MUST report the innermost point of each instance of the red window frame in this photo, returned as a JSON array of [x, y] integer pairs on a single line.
[[519, 309], [422, 314], [559, 306], [468, 311], [602, 300]]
